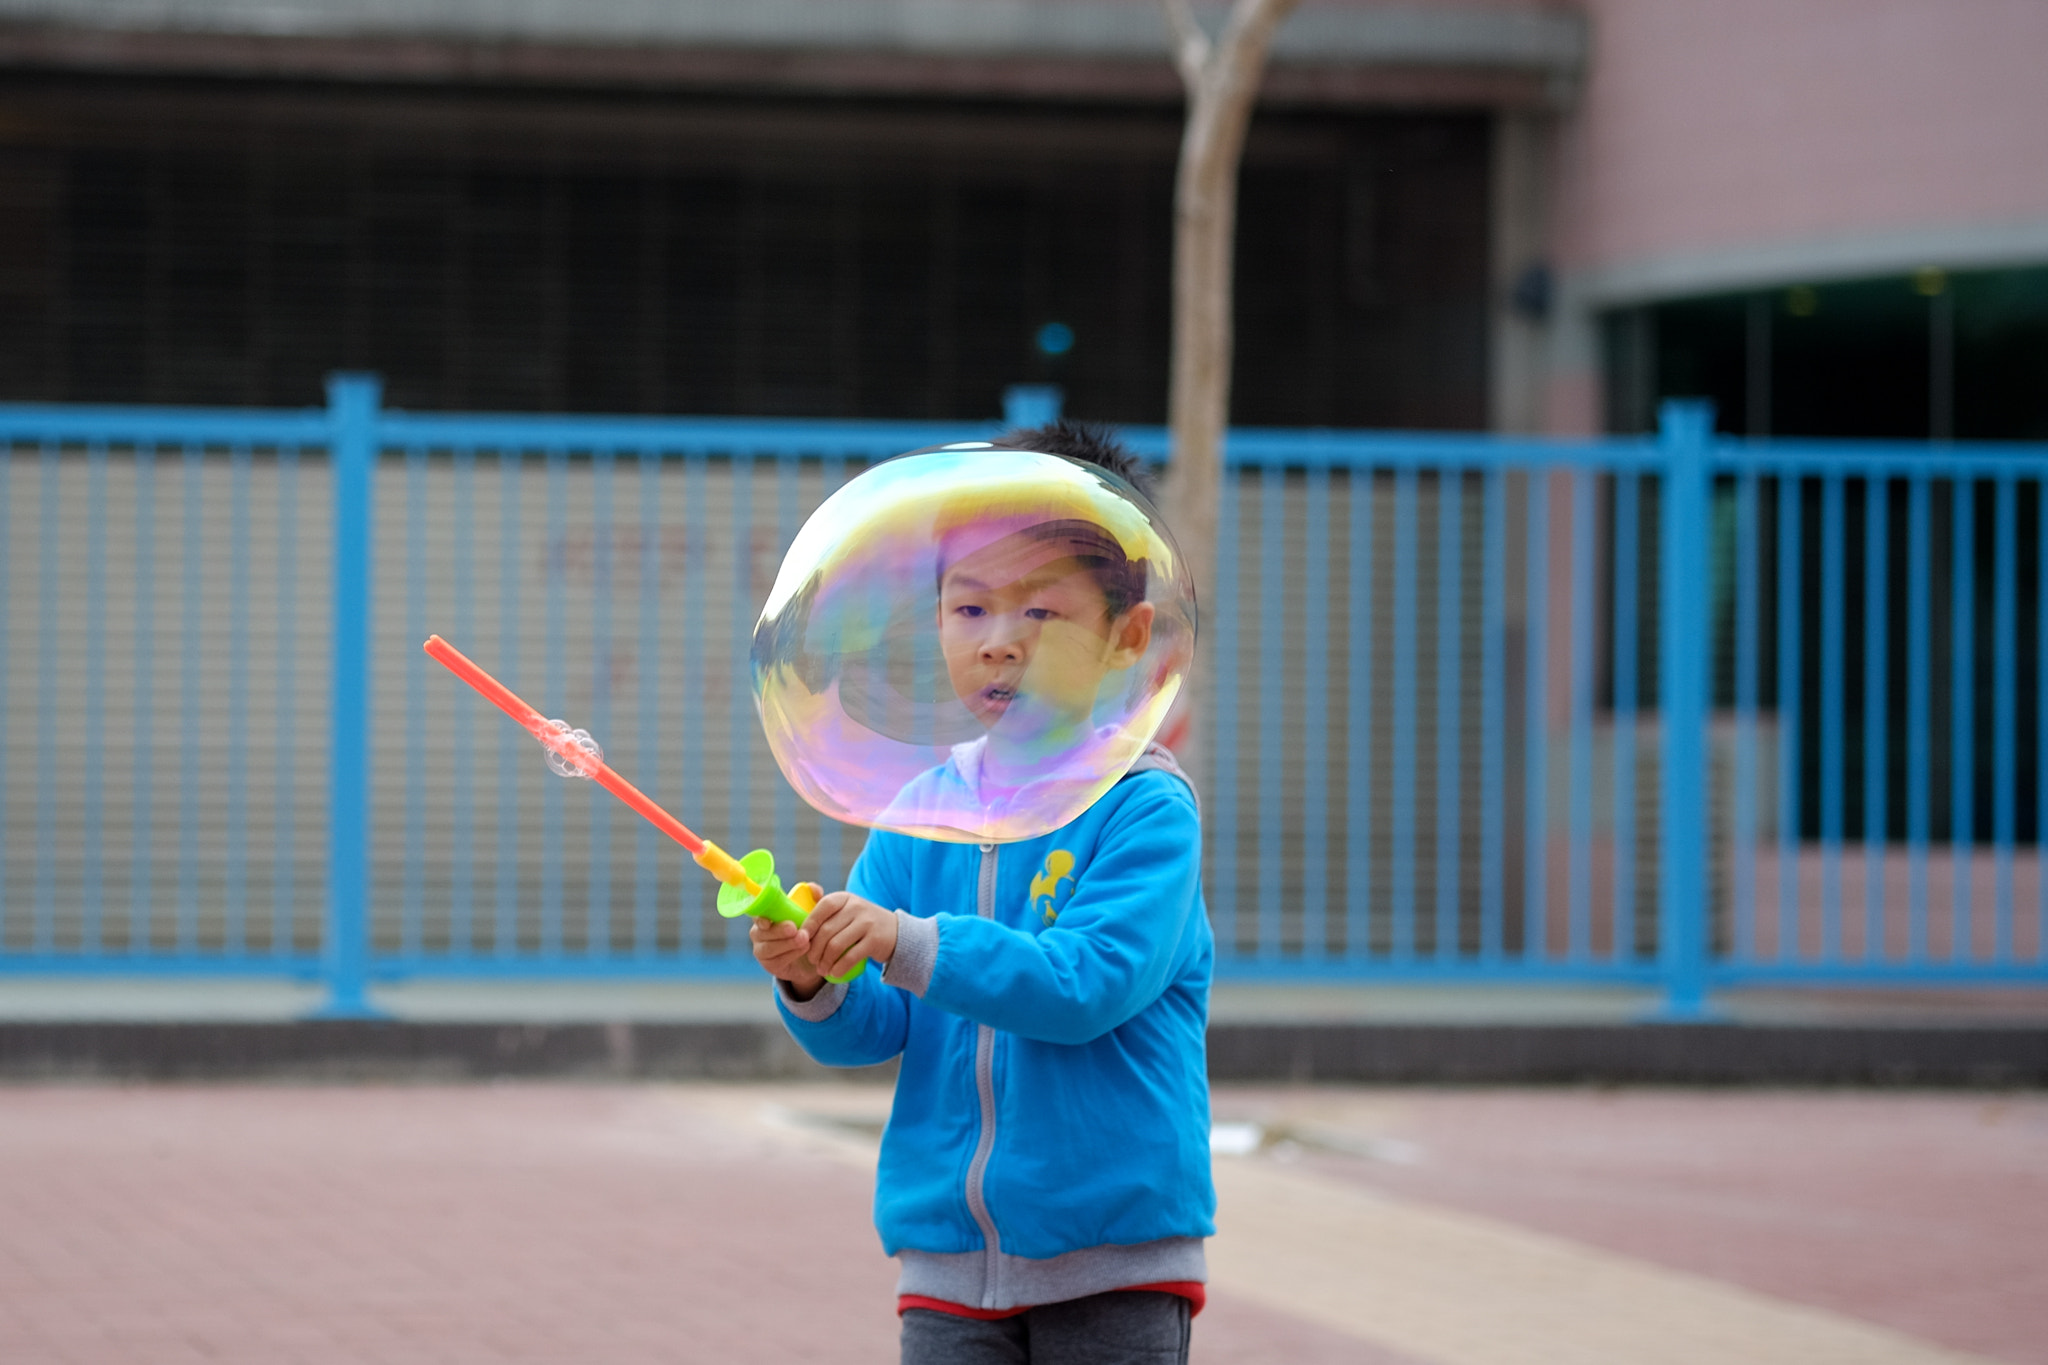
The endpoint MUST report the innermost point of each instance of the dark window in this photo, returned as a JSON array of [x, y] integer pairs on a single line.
[[1903, 357], [1931, 355], [231, 243]]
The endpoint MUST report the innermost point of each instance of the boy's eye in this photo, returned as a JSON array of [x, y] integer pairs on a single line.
[[1040, 613], [970, 611]]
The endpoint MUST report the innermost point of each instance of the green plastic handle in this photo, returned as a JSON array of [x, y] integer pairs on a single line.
[[772, 904]]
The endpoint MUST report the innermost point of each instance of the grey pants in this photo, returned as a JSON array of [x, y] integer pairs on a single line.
[[1126, 1327]]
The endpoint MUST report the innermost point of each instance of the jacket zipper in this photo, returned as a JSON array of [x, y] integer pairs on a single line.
[[985, 1085]]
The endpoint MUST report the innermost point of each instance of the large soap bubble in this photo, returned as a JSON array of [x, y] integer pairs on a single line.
[[972, 644]]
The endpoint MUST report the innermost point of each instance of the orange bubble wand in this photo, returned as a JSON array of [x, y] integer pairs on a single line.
[[750, 884]]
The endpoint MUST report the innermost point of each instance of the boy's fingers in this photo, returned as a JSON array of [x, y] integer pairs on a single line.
[[779, 934], [829, 940], [846, 948], [832, 904], [824, 937], [780, 949]]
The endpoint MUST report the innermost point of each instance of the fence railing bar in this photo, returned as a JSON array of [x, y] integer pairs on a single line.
[[597, 915], [1463, 452], [1272, 706], [2041, 720], [739, 696], [1963, 717], [678, 437], [1469, 888], [1224, 762], [1248, 447], [2005, 707], [1626, 557], [190, 625], [788, 504], [1934, 974], [353, 465], [1358, 866], [1585, 535], [512, 751], [1406, 667], [1315, 705], [831, 834], [555, 688], [140, 880], [1536, 822], [235, 879], [1789, 576], [6, 663], [462, 836], [1449, 719], [1748, 629], [1919, 723], [412, 892], [1876, 709], [42, 929], [92, 881], [1685, 508], [690, 774], [1493, 720], [1831, 458], [647, 757], [1833, 757], [118, 424], [284, 890]]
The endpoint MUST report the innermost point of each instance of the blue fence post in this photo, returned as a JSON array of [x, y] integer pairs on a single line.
[[1684, 429], [352, 404], [1032, 405]]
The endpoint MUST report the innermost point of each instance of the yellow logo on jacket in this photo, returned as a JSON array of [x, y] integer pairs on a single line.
[[1045, 887]]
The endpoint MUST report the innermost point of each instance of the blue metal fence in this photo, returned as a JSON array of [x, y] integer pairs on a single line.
[[1673, 710]]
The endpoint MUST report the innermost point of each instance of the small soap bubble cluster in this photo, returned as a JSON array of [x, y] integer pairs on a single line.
[[563, 766], [972, 644]]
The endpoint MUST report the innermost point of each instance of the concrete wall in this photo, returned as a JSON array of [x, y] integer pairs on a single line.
[[1433, 52]]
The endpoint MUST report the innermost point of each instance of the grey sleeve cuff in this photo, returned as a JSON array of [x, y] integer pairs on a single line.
[[819, 1007], [917, 953]]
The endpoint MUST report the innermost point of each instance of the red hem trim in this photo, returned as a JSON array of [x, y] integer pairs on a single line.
[[1196, 1293]]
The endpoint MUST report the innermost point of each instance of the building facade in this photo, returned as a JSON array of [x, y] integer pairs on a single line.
[[1479, 212]]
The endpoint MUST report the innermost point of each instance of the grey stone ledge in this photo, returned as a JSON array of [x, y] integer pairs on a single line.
[[1547, 42]]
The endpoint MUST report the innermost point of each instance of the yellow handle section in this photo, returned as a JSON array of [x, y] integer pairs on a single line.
[[726, 868], [803, 898]]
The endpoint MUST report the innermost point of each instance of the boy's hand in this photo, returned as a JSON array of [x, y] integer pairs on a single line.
[[845, 929], [782, 948]]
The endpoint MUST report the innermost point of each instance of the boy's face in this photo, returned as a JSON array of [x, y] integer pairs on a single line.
[[1028, 638]]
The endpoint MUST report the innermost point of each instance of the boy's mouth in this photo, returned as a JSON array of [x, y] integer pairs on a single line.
[[993, 702]]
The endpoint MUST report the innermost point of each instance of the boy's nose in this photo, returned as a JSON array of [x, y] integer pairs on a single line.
[[1002, 652]]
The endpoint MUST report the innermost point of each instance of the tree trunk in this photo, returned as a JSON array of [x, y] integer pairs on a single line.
[[1222, 80]]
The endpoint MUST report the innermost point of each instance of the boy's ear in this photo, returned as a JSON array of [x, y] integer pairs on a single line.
[[1131, 636]]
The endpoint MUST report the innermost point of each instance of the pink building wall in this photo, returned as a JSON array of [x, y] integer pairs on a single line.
[[1724, 144]]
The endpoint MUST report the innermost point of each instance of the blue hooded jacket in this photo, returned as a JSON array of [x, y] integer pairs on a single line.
[[1049, 1000]]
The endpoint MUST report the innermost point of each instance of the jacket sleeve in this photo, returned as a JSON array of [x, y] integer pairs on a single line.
[[863, 1022], [1117, 942]]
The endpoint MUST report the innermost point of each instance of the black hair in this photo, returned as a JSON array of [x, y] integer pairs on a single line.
[[1120, 578], [1122, 581], [1084, 441]]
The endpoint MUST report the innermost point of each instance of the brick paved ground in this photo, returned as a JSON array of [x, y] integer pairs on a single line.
[[628, 1224], [1926, 1213]]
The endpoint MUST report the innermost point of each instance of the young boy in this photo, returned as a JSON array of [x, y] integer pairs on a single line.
[[1044, 1178]]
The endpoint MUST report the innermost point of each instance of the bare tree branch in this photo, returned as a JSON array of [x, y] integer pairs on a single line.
[[1222, 80], [1190, 43]]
